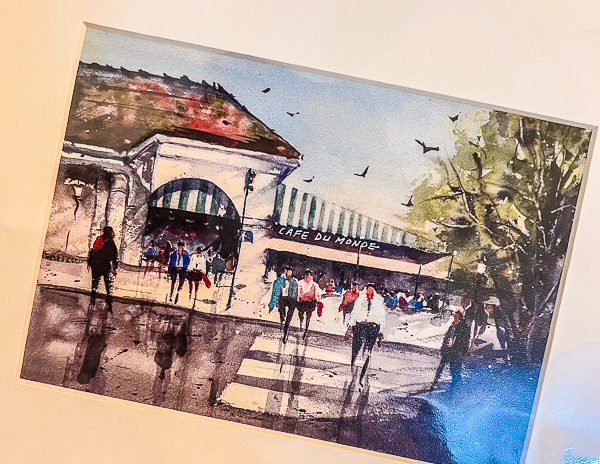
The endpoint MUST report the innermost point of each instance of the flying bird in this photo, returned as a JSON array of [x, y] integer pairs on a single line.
[[409, 203], [293, 114], [364, 173], [426, 148], [267, 90], [309, 180], [453, 118]]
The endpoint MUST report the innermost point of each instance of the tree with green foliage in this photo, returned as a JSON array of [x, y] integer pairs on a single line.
[[508, 197]]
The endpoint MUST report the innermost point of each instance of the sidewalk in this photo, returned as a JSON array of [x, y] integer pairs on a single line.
[[414, 329]]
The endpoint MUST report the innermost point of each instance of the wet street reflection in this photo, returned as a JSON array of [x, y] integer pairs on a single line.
[[88, 353], [171, 341], [234, 369]]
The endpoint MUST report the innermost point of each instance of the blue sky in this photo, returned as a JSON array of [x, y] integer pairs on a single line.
[[343, 126]]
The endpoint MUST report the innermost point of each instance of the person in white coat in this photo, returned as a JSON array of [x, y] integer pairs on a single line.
[[365, 325]]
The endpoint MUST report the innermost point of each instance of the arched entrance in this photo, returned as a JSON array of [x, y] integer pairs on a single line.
[[196, 212]]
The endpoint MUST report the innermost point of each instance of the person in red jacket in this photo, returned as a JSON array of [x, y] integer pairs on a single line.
[[309, 298], [348, 301], [103, 262]]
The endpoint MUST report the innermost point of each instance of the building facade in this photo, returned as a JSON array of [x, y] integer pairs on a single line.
[[165, 160]]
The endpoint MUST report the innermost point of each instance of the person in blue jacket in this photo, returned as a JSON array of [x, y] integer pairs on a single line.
[[285, 296], [178, 264]]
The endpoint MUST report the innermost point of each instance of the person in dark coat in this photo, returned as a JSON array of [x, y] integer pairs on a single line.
[[218, 268], [163, 258], [103, 262], [433, 303], [454, 349]]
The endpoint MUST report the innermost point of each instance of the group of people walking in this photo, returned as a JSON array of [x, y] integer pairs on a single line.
[[290, 295], [470, 322], [365, 311], [103, 263], [364, 315], [182, 267]]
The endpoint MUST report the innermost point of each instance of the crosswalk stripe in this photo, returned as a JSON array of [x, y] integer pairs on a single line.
[[297, 380], [245, 397], [263, 400], [273, 346], [303, 375]]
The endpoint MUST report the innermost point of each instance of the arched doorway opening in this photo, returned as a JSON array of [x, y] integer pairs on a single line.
[[196, 212]]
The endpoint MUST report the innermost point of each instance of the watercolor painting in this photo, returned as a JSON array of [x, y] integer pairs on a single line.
[[301, 252]]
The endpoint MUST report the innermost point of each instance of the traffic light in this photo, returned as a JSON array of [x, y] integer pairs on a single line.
[[250, 175]]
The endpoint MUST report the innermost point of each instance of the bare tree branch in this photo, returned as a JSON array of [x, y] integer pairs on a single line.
[[455, 226]]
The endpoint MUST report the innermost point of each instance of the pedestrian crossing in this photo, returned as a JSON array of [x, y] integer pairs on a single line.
[[272, 345], [297, 380], [272, 402]]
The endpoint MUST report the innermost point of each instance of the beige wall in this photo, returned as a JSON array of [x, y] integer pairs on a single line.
[[79, 225], [230, 179], [226, 169], [541, 57], [114, 195]]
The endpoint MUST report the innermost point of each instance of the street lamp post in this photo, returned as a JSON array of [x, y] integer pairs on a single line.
[[450, 265], [454, 253], [248, 187], [417, 281], [357, 264], [481, 270]]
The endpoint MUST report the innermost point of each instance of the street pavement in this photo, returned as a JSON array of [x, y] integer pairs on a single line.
[[235, 369], [414, 329], [200, 357]]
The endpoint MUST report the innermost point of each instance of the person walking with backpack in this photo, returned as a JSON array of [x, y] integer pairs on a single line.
[[103, 262]]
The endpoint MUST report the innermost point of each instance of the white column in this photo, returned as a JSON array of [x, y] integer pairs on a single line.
[[115, 206]]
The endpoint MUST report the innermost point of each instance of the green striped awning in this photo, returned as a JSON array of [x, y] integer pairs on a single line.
[[301, 209], [196, 196]]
